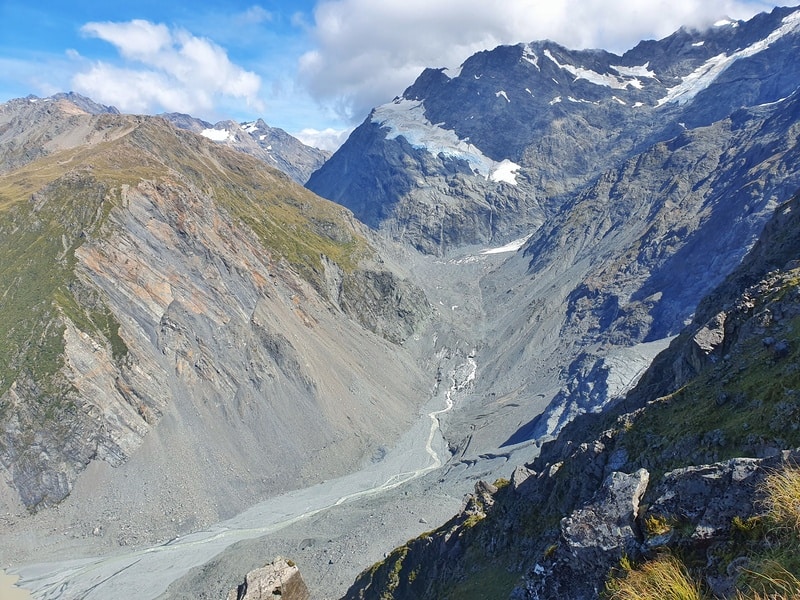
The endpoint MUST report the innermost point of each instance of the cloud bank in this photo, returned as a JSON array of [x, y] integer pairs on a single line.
[[367, 52], [164, 70], [326, 139]]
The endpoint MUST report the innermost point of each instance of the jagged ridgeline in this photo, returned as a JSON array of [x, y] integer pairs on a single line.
[[147, 272]]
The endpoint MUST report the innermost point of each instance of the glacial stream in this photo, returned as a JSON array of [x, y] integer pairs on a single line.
[[149, 571]]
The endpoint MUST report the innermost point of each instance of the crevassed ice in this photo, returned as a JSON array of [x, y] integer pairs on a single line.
[[407, 118], [217, 135], [704, 75]]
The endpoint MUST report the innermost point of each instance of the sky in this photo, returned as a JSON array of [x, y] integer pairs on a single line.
[[313, 68]]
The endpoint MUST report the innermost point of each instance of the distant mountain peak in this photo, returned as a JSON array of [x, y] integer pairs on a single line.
[[272, 145]]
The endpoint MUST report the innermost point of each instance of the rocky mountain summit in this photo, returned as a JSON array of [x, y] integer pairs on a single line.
[[272, 145], [634, 184]]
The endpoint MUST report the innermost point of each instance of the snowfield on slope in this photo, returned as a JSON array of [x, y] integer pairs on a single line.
[[704, 75], [407, 118]]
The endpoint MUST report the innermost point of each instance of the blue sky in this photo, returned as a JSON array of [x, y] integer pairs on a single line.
[[314, 68]]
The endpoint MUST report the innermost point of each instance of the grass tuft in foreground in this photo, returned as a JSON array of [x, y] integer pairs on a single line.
[[782, 491], [774, 564], [662, 578]]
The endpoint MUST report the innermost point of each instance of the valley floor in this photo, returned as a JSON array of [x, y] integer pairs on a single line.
[[332, 530], [337, 528]]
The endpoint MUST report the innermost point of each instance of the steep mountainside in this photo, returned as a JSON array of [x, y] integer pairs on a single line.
[[175, 310], [270, 144], [628, 259], [492, 151], [676, 466]]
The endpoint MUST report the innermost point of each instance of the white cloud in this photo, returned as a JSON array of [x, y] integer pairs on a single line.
[[326, 139], [367, 52], [165, 69], [256, 14]]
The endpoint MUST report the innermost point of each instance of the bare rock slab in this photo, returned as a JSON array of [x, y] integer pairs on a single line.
[[279, 579]]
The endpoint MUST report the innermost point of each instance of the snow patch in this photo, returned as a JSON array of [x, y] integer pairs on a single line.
[[250, 127], [636, 71], [628, 76], [530, 56], [774, 103], [509, 247], [503, 94], [619, 100], [704, 75], [555, 100], [217, 135], [722, 23], [406, 118], [580, 100], [698, 44], [456, 72], [505, 171]]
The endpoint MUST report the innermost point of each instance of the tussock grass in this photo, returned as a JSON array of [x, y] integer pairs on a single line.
[[774, 572], [771, 582], [775, 568], [782, 491], [663, 578], [656, 525]]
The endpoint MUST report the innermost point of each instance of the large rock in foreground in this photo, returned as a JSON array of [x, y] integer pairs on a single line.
[[279, 579]]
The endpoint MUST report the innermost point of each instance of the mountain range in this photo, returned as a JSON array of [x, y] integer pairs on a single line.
[[549, 240]]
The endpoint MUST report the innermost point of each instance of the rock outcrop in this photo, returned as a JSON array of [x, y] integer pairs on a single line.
[[278, 579]]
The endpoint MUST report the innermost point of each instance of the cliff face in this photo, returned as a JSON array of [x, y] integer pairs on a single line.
[[673, 466], [172, 307]]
